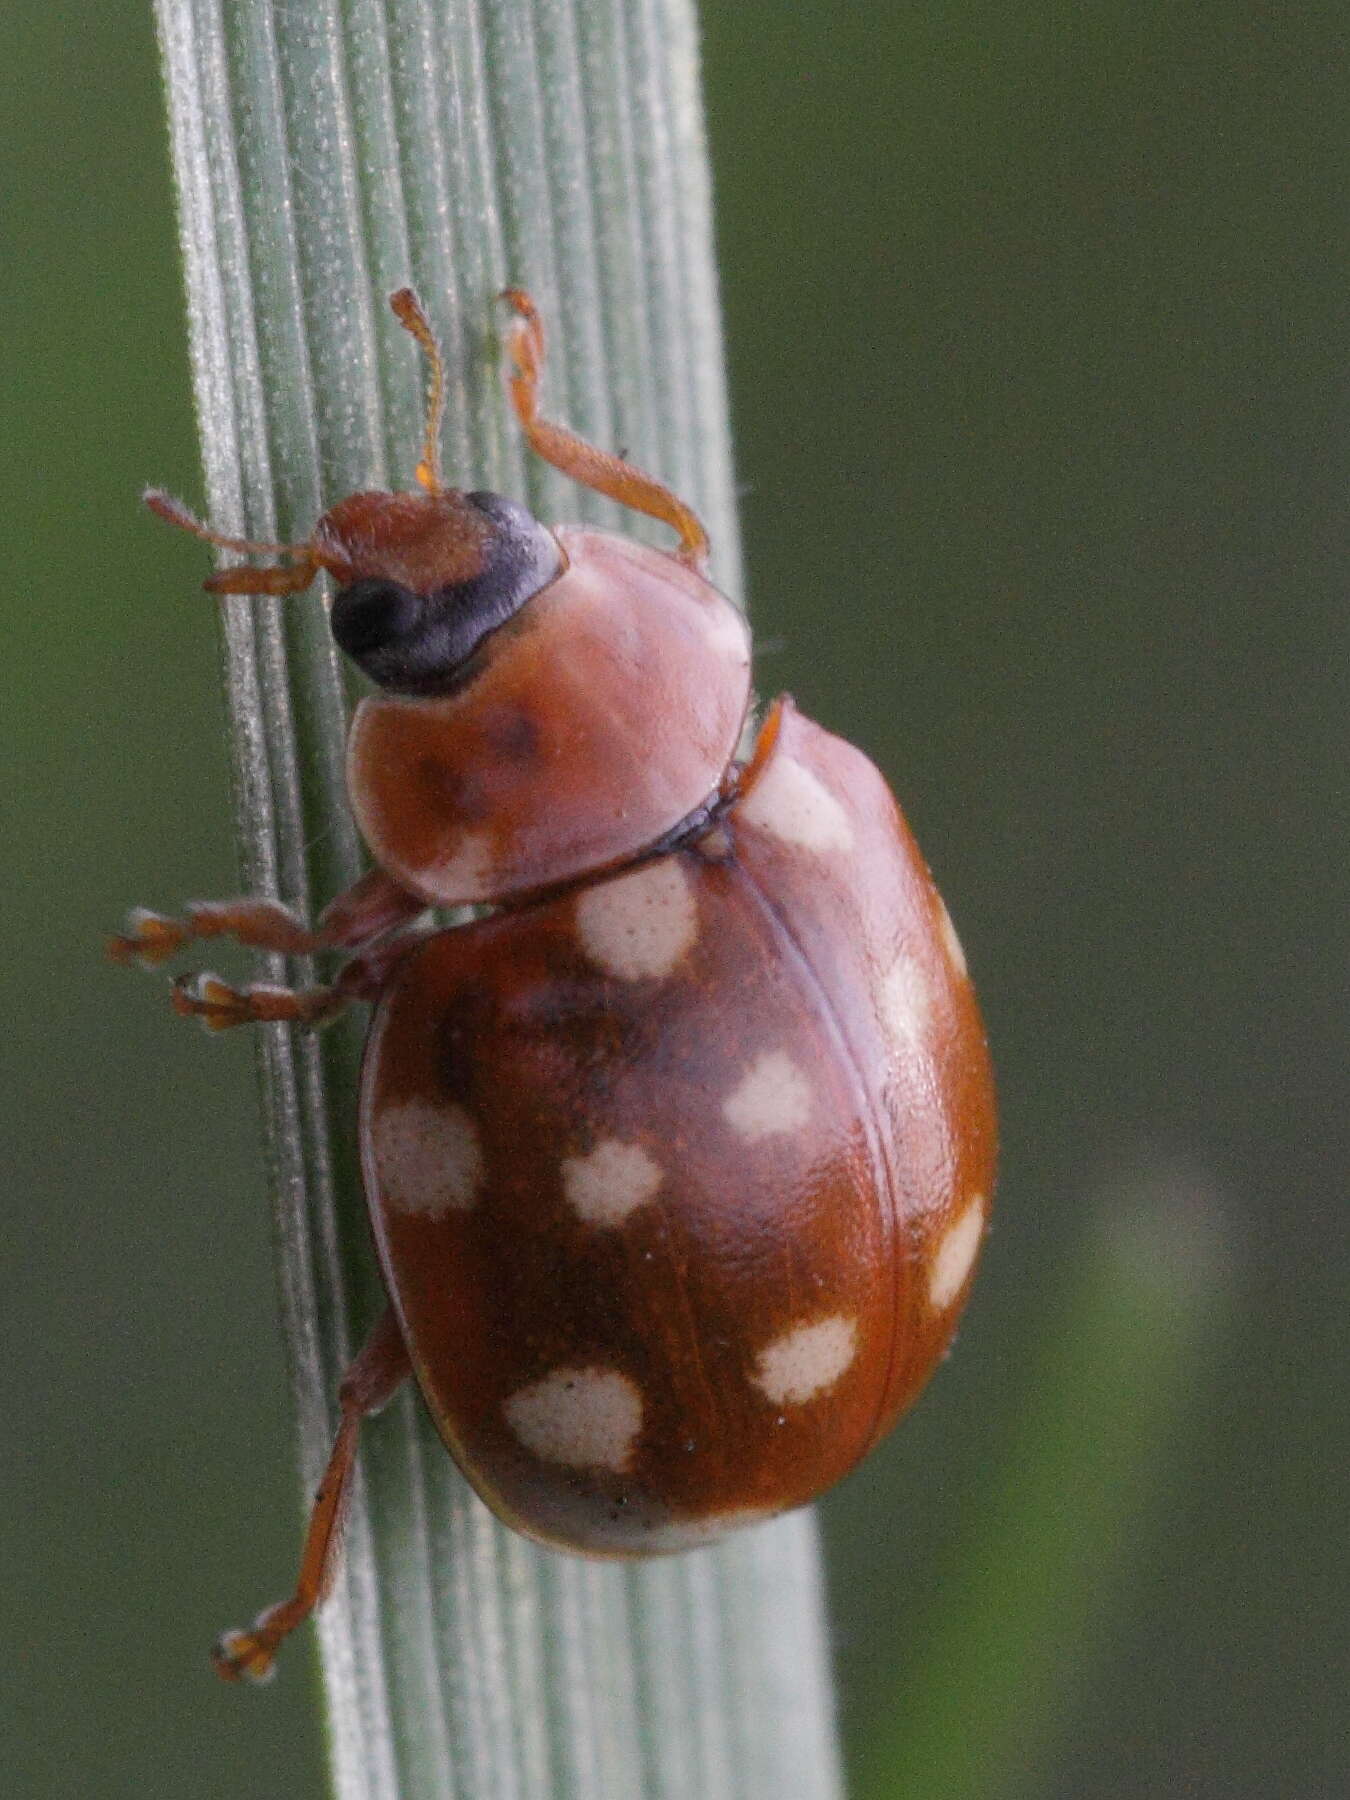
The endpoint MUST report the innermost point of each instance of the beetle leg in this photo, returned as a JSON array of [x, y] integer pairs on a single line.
[[373, 1378], [592, 467], [151, 938], [369, 908], [219, 1006]]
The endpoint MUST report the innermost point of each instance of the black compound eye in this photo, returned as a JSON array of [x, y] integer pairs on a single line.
[[374, 617], [422, 644]]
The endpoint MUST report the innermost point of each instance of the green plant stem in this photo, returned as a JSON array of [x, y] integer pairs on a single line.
[[326, 153]]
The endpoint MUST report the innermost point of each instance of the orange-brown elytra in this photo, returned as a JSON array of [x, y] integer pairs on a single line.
[[679, 1159]]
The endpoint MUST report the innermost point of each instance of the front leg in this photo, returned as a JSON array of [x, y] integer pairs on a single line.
[[374, 905], [366, 920]]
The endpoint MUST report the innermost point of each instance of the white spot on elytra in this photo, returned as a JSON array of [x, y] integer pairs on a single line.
[[796, 806], [611, 1182], [955, 954], [807, 1361], [640, 925], [582, 1418], [773, 1097], [465, 873], [429, 1158], [727, 635], [906, 1000], [956, 1254]]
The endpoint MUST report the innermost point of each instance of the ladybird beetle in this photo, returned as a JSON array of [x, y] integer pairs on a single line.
[[679, 1155]]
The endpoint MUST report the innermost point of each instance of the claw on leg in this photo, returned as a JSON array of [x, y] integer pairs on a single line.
[[244, 1656], [149, 939]]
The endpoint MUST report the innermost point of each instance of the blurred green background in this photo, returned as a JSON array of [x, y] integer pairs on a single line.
[[1038, 341]]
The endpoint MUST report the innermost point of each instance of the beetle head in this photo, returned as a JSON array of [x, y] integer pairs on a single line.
[[425, 578]]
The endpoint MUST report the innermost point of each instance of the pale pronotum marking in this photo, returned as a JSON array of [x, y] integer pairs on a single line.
[[466, 873]]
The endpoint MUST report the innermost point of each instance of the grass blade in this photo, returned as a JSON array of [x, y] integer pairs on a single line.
[[325, 154]]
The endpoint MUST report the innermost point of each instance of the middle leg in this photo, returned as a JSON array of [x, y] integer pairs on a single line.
[[220, 1006]]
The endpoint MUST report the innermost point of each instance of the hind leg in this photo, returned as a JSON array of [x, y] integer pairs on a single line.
[[370, 1383]]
